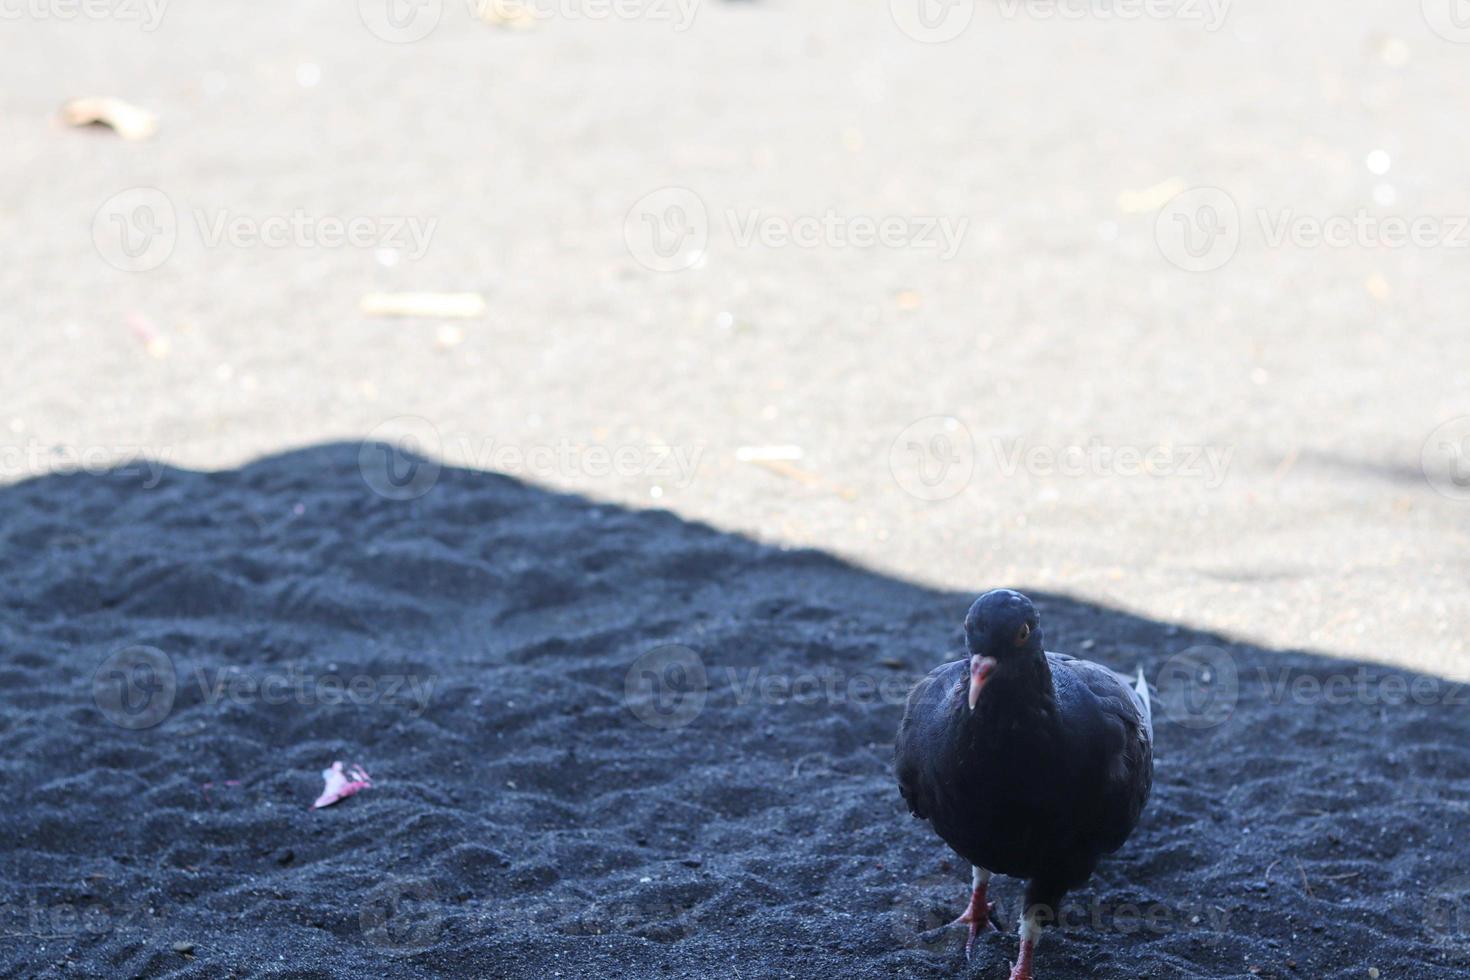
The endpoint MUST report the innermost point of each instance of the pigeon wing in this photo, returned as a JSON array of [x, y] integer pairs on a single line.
[[922, 733], [1112, 720]]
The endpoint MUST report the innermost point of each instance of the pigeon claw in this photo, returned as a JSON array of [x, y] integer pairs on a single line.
[[970, 940], [977, 916], [976, 922], [1022, 969]]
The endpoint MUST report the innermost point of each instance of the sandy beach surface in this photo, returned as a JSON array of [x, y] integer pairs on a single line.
[[613, 742], [715, 473]]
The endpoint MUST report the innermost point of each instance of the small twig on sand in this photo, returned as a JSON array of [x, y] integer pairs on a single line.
[[1305, 883], [1287, 464], [1268, 871]]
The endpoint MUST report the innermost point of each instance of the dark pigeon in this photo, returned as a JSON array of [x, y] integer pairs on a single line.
[[1026, 763]]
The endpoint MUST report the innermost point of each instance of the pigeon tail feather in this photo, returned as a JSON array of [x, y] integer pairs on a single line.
[[1141, 686]]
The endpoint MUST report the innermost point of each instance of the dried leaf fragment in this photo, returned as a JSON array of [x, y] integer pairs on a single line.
[[423, 304], [127, 120]]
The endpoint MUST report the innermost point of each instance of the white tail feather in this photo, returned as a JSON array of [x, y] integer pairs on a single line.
[[1148, 707]]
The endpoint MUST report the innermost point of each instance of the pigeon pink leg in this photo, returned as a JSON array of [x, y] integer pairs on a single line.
[[1030, 935], [977, 915]]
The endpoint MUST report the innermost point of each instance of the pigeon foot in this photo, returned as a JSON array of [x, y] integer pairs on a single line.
[[976, 916], [1022, 970]]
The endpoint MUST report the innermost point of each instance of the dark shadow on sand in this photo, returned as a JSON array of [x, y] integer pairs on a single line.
[[614, 743]]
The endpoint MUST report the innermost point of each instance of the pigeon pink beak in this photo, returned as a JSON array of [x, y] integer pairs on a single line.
[[980, 668]]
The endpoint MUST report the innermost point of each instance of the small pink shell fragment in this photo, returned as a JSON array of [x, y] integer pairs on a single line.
[[340, 784]]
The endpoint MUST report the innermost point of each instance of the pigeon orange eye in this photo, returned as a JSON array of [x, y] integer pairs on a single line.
[[1025, 632]]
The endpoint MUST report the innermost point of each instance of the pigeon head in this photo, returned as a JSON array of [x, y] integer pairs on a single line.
[[1001, 628]]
